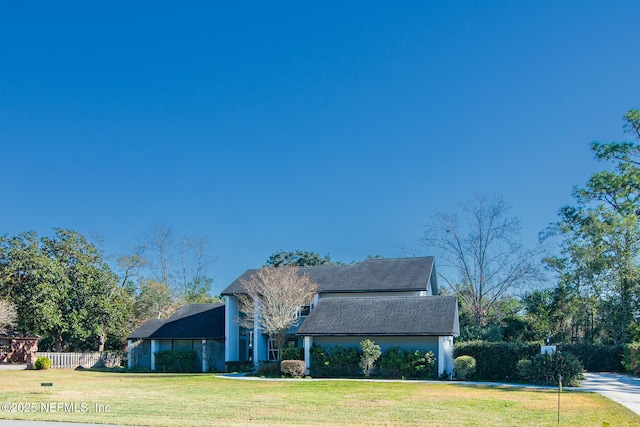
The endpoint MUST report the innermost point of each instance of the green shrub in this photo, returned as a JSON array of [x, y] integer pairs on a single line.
[[335, 361], [176, 361], [370, 354], [596, 358], [292, 353], [402, 363], [465, 367], [293, 368], [268, 369], [496, 361], [42, 362], [631, 358], [237, 366], [546, 368]]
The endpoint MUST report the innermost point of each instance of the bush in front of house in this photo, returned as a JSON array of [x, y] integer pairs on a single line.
[[42, 362], [292, 353], [631, 358], [293, 368], [596, 358], [496, 361], [370, 354], [238, 366], [334, 361], [402, 363], [464, 367], [268, 369], [546, 369], [176, 360]]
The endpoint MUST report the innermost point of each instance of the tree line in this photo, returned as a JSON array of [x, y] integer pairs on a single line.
[[63, 288], [594, 246]]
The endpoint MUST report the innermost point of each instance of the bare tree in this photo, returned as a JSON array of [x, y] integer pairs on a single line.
[[181, 264], [194, 262], [8, 315], [482, 258], [131, 265], [160, 243], [273, 299]]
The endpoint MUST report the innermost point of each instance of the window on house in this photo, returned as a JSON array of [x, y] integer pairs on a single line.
[[274, 352], [5, 345], [304, 310]]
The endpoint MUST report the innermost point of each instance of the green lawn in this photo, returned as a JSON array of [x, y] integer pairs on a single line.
[[204, 400]]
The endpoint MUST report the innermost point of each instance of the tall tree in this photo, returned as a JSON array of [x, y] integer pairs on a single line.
[[273, 300], [601, 235], [481, 257], [298, 258], [63, 288]]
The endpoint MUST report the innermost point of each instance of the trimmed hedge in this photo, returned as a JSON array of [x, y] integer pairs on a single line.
[[237, 366], [293, 368], [335, 361], [401, 363], [176, 361], [268, 369], [394, 363], [496, 361], [465, 367], [596, 358], [292, 353]]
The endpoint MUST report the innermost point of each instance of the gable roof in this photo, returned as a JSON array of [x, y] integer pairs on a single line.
[[192, 321], [378, 316], [371, 275]]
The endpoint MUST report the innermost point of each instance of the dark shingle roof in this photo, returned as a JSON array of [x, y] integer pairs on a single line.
[[372, 275], [17, 335], [192, 321], [431, 315]]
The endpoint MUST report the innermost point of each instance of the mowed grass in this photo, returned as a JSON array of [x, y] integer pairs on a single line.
[[205, 400]]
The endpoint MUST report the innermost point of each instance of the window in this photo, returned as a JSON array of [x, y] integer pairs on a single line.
[[5, 344], [274, 352], [304, 310]]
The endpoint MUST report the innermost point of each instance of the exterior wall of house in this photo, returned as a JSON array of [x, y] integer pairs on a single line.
[[139, 354], [385, 342], [231, 330], [213, 352]]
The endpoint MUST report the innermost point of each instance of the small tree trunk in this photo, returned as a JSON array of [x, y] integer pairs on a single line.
[[58, 342], [102, 340]]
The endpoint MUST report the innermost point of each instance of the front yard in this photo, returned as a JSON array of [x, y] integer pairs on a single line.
[[205, 400]]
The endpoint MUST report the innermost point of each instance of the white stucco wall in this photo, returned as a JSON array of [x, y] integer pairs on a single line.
[[231, 329]]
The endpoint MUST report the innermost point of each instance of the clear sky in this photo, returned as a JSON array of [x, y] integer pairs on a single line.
[[334, 127]]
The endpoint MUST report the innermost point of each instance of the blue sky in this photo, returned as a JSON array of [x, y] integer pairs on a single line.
[[335, 127]]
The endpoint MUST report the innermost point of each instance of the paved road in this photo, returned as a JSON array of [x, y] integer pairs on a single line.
[[620, 388]]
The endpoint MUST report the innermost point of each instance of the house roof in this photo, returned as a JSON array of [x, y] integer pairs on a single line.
[[192, 321], [17, 335], [371, 275], [380, 316]]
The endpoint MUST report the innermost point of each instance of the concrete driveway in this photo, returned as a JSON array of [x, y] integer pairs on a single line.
[[619, 388]]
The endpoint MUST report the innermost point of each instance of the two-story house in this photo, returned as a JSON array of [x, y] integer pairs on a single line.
[[393, 302]]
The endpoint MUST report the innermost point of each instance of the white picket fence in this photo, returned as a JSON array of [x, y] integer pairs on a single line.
[[86, 360]]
